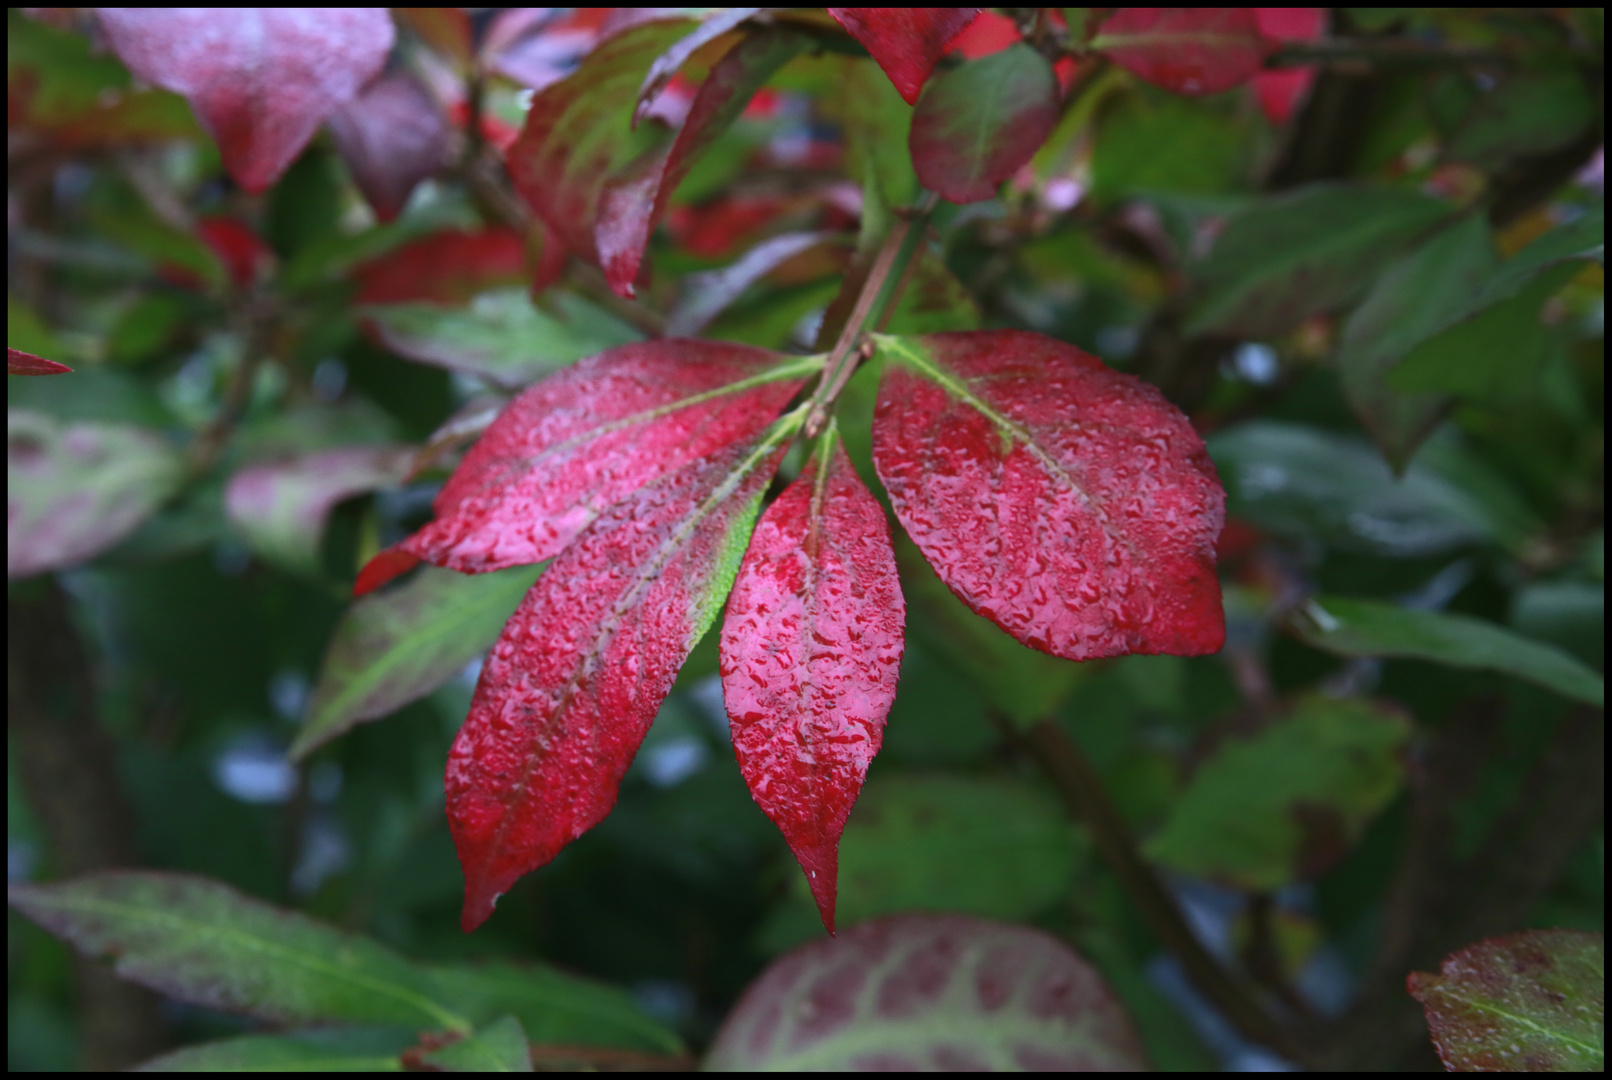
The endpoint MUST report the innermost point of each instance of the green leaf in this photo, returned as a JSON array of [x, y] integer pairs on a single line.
[[1582, 238], [1288, 801], [1412, 298], [500, 336], [74, 490], [875, 121], [394, 647], [204, 943], [1531, 112], [1298, 254], [333, 1050], [1529, 1002], [499, 1047], [1368, 628], [1209, 148]]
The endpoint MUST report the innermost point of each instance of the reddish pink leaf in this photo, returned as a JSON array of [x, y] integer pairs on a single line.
[[588, 436], [1068, 503], [392, 136], [578, 134], [811, 647], [988, 33], [1186, 50], [978, 123], [448, 267], [667, 65], [635, 199], [21, 363], [568, 693], [1281, 90], [447, 30], [237, 247], [261, 80], [534, 48], [905, 42]]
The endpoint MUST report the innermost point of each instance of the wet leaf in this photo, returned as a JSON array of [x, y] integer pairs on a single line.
[[206, 944], [1186, 50], [499, 1047], [261, 80], [1294, 255], [448, 267], [583, 665], [21, 363], [397, 646], [280, 508], [905, 42], [584, 439], [811, 648], [927, 992], [1528, 1002], [391, 136], [1068, 503], [633, 199], [75, 489], [1287, 802], [314, 1050], [978, 123], [1368, 628]]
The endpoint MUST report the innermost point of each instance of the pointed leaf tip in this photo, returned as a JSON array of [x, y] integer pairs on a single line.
[[21, 363], [383, 568], [811, 648], [905, 42]]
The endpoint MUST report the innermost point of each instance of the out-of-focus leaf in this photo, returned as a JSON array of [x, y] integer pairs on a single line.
[[1413, 295], [707, 295], [1280, 91], [75, 489], [206, 944], [54, 76], [1301, 253], [718, 21], [988, 847], [391, 136], [21, 363], [905, 42], [932, 300], [1369, 628], [1209, 152], [1312, 485], [448, 267], [978, 123], [1571, 614], [1070, 504], [280, 508], [1528, 1002], [261, 80], [1530, 112], [498, 1047], [446, 30], [1289, 801], [876, 123], [1186, 50], [552, 1007], [811, 648], [1024, 684], [1584, 237], [395, 647], [314, 1050], [927, 992], [500, 336]]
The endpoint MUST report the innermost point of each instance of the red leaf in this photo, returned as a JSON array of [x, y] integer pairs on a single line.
[[668, 63], [1068, 503], [568, 693], [448, 267], [811, 648], [587, 437], [988, 33], [21, 363], [978, 123], [578, 134], [236, 246], [260, 79], [635, 199], [1279, 91], [906, 42], [392, 136], [1186, 50]]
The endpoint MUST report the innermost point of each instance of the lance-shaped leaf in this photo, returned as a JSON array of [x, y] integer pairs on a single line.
[[584, 439], [1068, 503], [905, 42], [21, 363], [569, 691], [391, 136], [74, 490], [1186, 50], [811, 648], [578, 132], [978, 123], [635, 199], [204, 943], [929, 992], [448, 267], [310, 1050], [394, 648], [262, 79], [1529, 1002]]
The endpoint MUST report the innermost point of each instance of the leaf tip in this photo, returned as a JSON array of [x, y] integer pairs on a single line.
[[389, 564]]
